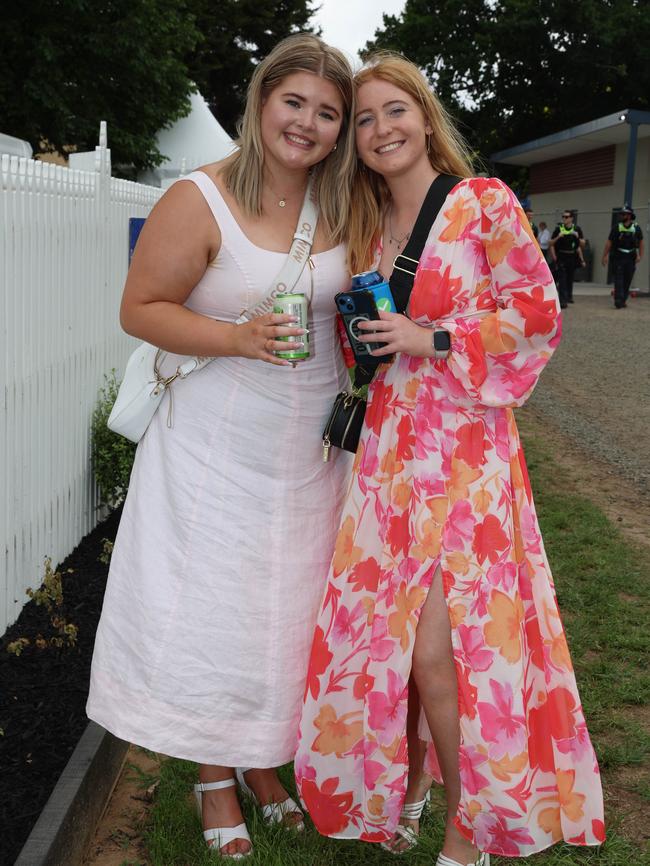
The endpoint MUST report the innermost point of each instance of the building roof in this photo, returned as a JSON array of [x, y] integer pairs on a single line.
[[611, 129]]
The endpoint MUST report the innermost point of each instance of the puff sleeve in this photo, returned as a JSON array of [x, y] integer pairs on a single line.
[[497, 356]]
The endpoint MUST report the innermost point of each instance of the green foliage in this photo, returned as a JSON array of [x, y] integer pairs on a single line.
[[15, 647], [107, 551], [236, 35], [173, 836], [50, 596], [515, 70], [66, 66], [112, 454], [50, 592], [604, 596]]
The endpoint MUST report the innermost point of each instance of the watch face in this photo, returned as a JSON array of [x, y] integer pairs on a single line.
[[441, 341]]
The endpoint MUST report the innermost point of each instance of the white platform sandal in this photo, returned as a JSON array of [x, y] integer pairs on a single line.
[[411, 812], [443, 860], [222, 836], [273, 813]]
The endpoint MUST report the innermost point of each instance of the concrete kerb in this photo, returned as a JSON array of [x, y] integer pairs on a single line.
[[66, 824], [599, 289], [591, 289]]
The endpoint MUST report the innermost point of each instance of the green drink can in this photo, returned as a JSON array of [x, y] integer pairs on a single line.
[[293, 305]]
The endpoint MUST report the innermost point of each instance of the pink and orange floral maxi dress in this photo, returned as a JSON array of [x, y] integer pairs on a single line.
[[440, 481]]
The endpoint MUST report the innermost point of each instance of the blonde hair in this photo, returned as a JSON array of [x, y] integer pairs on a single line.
[[243, 171], [448, 153]]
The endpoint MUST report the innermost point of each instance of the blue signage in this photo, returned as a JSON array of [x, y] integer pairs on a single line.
[[135, 227]]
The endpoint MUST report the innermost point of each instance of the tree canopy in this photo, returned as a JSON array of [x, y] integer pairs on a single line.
[[515, 70], [236, 35], [65, 65]]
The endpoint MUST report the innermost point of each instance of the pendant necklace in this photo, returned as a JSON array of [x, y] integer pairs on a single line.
[[282, 199], [391, 237]]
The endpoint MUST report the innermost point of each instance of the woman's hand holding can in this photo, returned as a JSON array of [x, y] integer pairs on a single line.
[[258, 339]]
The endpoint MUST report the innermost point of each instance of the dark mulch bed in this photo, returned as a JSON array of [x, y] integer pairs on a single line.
[[43, 693]]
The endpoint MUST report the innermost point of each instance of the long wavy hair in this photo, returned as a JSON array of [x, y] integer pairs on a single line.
[[448, 153], [243, 170]]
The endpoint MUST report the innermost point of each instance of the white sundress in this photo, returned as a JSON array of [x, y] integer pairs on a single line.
[[227, 534]]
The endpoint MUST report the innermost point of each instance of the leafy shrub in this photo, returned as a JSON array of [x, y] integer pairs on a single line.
[[112, 454], [50, 596], [107, 551]]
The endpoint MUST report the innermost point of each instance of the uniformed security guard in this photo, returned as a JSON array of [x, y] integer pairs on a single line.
[[625, 242], [566, 245]]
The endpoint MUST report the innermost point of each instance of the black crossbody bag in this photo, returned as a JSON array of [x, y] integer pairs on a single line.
[[345, 421]]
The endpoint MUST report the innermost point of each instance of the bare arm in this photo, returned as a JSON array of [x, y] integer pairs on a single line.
[[177, 242]]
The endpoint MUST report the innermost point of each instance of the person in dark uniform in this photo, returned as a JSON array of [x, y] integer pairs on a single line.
[[566, 245], [625, 242]]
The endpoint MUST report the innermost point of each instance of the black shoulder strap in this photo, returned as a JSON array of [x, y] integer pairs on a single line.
[[405, 264]]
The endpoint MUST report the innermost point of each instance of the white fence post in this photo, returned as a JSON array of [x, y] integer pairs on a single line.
[[63, 261]]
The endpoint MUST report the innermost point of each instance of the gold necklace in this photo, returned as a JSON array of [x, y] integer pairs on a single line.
[[282, 199]]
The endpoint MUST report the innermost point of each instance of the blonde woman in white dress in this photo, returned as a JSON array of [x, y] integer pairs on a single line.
[[229, 523]]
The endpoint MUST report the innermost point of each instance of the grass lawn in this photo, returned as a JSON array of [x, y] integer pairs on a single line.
[[603, 587]]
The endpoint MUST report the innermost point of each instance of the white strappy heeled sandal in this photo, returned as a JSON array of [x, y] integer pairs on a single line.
[[273, 813], [411, 812], [443, 860], [221, 836]]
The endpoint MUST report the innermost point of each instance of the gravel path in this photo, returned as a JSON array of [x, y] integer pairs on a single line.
[[596, 389]]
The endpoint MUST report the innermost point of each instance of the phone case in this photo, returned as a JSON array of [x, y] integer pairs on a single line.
[[355, 307]]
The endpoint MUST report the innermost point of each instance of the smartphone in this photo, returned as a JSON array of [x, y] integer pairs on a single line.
[[355, 307]]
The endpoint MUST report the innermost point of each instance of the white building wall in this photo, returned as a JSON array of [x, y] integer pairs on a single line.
[[63, 262]]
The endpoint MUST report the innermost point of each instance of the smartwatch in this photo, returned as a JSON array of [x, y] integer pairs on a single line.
[[441, 343]]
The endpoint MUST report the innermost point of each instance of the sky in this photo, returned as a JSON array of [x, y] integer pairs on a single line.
[[348, 24]]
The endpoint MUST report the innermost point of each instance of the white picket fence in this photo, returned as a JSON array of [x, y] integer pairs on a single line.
[[63, 262]]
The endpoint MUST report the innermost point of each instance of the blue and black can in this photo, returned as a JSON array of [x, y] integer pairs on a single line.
[[375, 283]]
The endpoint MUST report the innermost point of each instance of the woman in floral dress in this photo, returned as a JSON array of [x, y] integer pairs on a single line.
[[439, 569]]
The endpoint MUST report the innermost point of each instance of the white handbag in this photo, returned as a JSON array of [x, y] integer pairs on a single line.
[[143, 387]]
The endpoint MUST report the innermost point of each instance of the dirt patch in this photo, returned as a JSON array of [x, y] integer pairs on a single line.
[[630, 807], [118, 838], [625, 504]]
